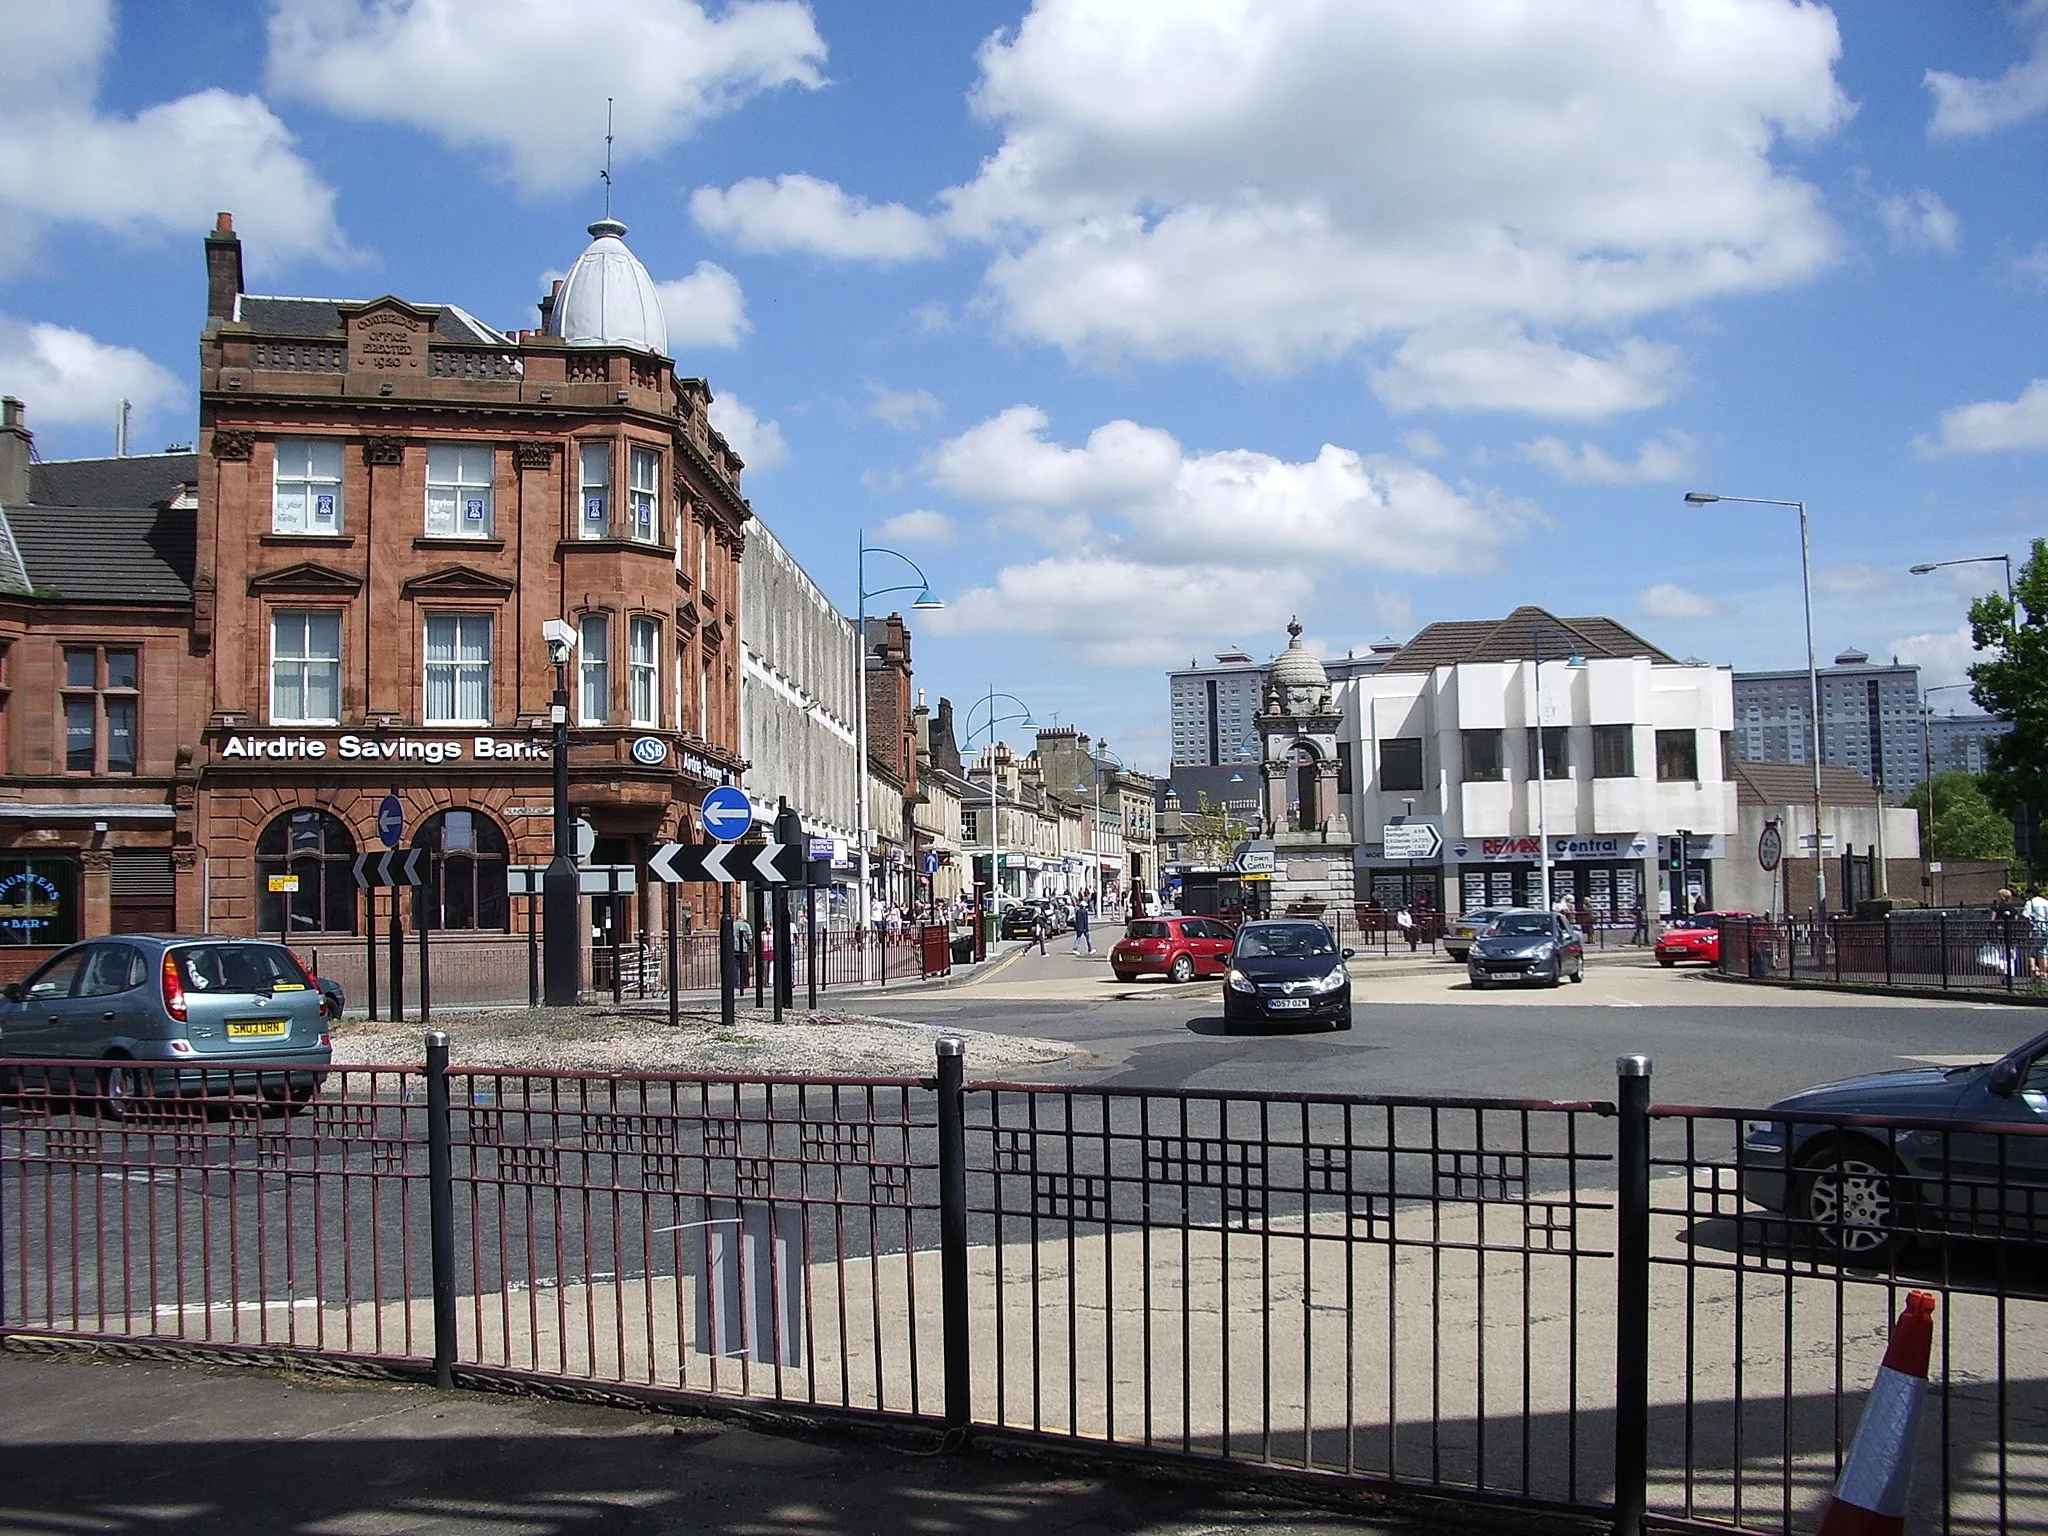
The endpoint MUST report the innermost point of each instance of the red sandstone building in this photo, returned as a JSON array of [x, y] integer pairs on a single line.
[[387, 502]]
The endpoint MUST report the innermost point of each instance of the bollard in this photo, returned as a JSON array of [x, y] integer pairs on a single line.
[[953, 1236], [1632, 1295], [441, 1206]]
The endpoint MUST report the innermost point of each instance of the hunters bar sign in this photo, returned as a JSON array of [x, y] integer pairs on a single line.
[[381, 749]]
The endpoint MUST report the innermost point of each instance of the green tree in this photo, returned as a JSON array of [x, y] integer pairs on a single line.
[[1212, 833], [1966, 824], [2011, 682]]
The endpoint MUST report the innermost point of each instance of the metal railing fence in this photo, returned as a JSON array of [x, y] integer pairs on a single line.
[[1622, 1310], [1940, 951]]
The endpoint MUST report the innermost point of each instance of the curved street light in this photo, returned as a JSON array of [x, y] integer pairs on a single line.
[[1095, 759], [1542, 764], [924, 603], [1820, 865], [995, 839]]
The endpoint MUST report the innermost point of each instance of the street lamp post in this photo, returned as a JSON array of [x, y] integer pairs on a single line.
[[1095, 827], [995, 835], [1928, 568], [1542, 776], [924, 604], [1707, 498], [561, 886], [1927, 776]]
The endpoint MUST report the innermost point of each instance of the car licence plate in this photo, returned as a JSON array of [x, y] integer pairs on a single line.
[[1288, 1002], [257, 1029]]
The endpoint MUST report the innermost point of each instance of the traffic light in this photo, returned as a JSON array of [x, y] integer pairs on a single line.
[[1676, 860]]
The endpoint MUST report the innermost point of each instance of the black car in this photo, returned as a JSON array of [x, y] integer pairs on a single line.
[[1021, 921], [1287, 970], [1537, 947]]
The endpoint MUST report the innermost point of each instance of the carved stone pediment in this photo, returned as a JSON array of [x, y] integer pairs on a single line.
[[308, 577], [233, 445], [456, 581]]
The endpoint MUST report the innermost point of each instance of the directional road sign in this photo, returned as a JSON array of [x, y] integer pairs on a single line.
[[525, 879], [1410, 840], [729, 863], [727, 813], [407, 868], [607, 879]]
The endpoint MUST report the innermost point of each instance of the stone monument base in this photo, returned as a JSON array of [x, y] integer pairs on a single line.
[[1313, 878]]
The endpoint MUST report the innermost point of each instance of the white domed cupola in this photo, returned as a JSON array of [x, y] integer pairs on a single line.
[[608, 300]]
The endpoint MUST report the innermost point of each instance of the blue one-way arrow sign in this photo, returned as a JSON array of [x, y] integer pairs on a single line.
[[727, 813]]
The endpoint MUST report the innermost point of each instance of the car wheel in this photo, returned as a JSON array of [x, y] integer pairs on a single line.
[[1845, 1202], [1126, 975], [1666, 961], [120, 1090], [1580, 974], [1342, 1021], [1479, 984], [1183, 968], [1556, 976]]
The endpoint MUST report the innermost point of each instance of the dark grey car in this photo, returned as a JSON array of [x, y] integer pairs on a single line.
[[1860, 1186], [156, 1010], [1538, 947]]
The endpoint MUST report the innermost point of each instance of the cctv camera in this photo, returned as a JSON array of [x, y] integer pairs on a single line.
[[561, 640]]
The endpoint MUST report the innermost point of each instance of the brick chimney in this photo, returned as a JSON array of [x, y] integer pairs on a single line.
[[547, 305], [223, 268], [15, 442]]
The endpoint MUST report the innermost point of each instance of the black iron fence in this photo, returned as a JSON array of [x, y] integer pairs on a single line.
[[1609, 1309], [1938, 950]]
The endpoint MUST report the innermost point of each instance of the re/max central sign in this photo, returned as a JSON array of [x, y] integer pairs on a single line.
[[382, 749]]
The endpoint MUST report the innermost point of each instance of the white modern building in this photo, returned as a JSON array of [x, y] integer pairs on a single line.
[[1634, 751]]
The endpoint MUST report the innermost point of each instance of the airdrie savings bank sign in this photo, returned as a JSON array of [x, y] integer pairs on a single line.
[[348, 748]]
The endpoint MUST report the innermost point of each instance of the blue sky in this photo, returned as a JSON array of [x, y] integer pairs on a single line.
[[1142, 326]]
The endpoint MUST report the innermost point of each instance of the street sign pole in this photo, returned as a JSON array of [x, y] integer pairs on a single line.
[[675, 990], [756, 920], [789, 831], [370, 944], [427, 894], [397, 958], [726, 958]]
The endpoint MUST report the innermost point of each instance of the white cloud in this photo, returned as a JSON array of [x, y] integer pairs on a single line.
[[919, 526], [1964, 106], [802, 213], [1668, 600], [1504, 369], [758, 443], [1391, 609], [1853, 577], [1114, 612], [1152, 541], [167, 169], [1919, 221], [902, 408], [2033, 266], [1670, 457], [1422, 443], [528, 79], [705, 309], [1944, 657], [1992, 426], [1273, 184], [65, 377]]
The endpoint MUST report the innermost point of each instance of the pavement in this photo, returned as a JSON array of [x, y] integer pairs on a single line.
[[96, 1442]]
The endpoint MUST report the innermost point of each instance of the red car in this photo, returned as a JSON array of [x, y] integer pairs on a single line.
[[1178, 948], [1696, 937]]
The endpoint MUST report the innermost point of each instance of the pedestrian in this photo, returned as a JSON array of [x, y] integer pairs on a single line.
[[743, 951], [1405, 921], [2036, 914], [1040, 927], [1642, 929], [1081, 934]]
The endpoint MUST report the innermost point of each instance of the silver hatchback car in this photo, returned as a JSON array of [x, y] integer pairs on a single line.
[[158, 1012]]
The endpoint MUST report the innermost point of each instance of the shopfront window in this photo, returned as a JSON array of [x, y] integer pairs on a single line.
[[315, 849], [38, 900], [466, 884]]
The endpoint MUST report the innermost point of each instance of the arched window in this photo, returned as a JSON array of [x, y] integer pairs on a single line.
[[316, 848], [467, 884]]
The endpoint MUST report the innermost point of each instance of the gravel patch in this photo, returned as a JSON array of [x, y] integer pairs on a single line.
[[829, 1043]]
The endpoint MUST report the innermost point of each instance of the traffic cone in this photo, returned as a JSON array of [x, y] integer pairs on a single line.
[[1870, 1500]]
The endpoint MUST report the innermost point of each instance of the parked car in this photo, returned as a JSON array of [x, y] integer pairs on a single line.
[[135, 1001], [1464, 929], [1861, 1191], [1696, 936], [1287, 970], [1538, 947], [1020, 921], [1178, 948]]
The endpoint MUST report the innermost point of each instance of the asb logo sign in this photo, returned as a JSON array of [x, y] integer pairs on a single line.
[[650, 750]]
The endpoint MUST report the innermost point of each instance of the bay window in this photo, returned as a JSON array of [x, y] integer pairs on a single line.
[[594, 477], [594, 704], [643, 671], [645, 479]]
